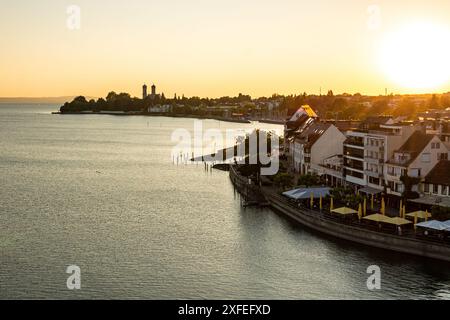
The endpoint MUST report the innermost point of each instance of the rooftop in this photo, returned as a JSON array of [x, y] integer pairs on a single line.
[[413, 146], [416, 143], [312, 133], [440, 174]]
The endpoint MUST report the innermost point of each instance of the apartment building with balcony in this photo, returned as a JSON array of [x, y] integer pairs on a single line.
[[353, 152], [380, 146], [368, 148]]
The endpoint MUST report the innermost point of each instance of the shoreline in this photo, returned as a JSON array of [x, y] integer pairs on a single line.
[[354, 232], [185, 116]]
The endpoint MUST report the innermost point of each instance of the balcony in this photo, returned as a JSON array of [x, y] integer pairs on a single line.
[[373, 174], [352, 152], [373, 160], [392, 177], [354, 164], [355, 141]]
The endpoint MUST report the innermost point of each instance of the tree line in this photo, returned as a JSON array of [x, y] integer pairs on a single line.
[[329, 106]]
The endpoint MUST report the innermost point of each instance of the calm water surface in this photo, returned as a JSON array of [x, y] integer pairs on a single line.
[[101, 192]]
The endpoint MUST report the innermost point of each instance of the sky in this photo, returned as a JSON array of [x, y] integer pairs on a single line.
[[223, 47]]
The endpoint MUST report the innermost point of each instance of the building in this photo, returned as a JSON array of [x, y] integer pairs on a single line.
[[160, 109], [293, 129], [317, 143], [303, 110], [353, 153], [297, 123], [144, 91], [435, 188], [444, 132], [367, 149], [415, 158], [153, 92]]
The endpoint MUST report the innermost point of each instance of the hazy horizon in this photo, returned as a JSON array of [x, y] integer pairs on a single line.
[[62, 99]]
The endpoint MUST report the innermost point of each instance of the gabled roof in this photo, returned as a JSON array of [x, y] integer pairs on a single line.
[[303, 110], [294, 125], [414, 146], [311, 134], [416, 143], [440, 174]]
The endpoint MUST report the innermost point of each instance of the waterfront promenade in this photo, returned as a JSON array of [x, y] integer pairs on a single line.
[[352, 229]]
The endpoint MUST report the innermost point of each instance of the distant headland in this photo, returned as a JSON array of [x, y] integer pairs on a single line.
[[275, 108]]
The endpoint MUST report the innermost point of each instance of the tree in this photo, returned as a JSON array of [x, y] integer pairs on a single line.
[[339, 104], [111, 97], [308, 180], [283, 180], [434, 102], [380, 107], [409, 182], [440, 213], [80, 99], [406, 108]]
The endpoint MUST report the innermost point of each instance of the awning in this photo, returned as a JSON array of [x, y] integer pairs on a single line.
[[433, 224], [420, 214], [377, 218], [305, 193], [370, 191], [397, 221], [433, 201], [344, 211]]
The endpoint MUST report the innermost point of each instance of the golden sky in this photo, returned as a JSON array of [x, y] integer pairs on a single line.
[[224, 47]]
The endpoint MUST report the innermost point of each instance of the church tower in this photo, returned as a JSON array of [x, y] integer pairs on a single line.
[[153, 91], [144, 91]]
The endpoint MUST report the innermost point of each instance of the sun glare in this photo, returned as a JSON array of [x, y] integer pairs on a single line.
[[417, 56]]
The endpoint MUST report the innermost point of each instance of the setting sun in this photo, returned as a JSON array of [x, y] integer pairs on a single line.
[[416, 56]]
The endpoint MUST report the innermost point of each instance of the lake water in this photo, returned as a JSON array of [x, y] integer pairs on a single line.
[[102, 193]]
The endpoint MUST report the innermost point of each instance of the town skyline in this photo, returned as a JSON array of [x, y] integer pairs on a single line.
[[324, 92]]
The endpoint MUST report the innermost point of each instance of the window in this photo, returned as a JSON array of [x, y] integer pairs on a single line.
[[399, 187], [416, 173], [426, 157], [444, 190], [435, 188], [391, 171], [442, 156], [435, 145], [426, 188]]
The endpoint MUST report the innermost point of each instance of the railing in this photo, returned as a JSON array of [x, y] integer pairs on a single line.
[[324, 215], [244, 187]]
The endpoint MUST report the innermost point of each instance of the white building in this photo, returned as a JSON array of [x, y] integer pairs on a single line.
[[368, 149], [314, 146], [160, 109], [416, 158]]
